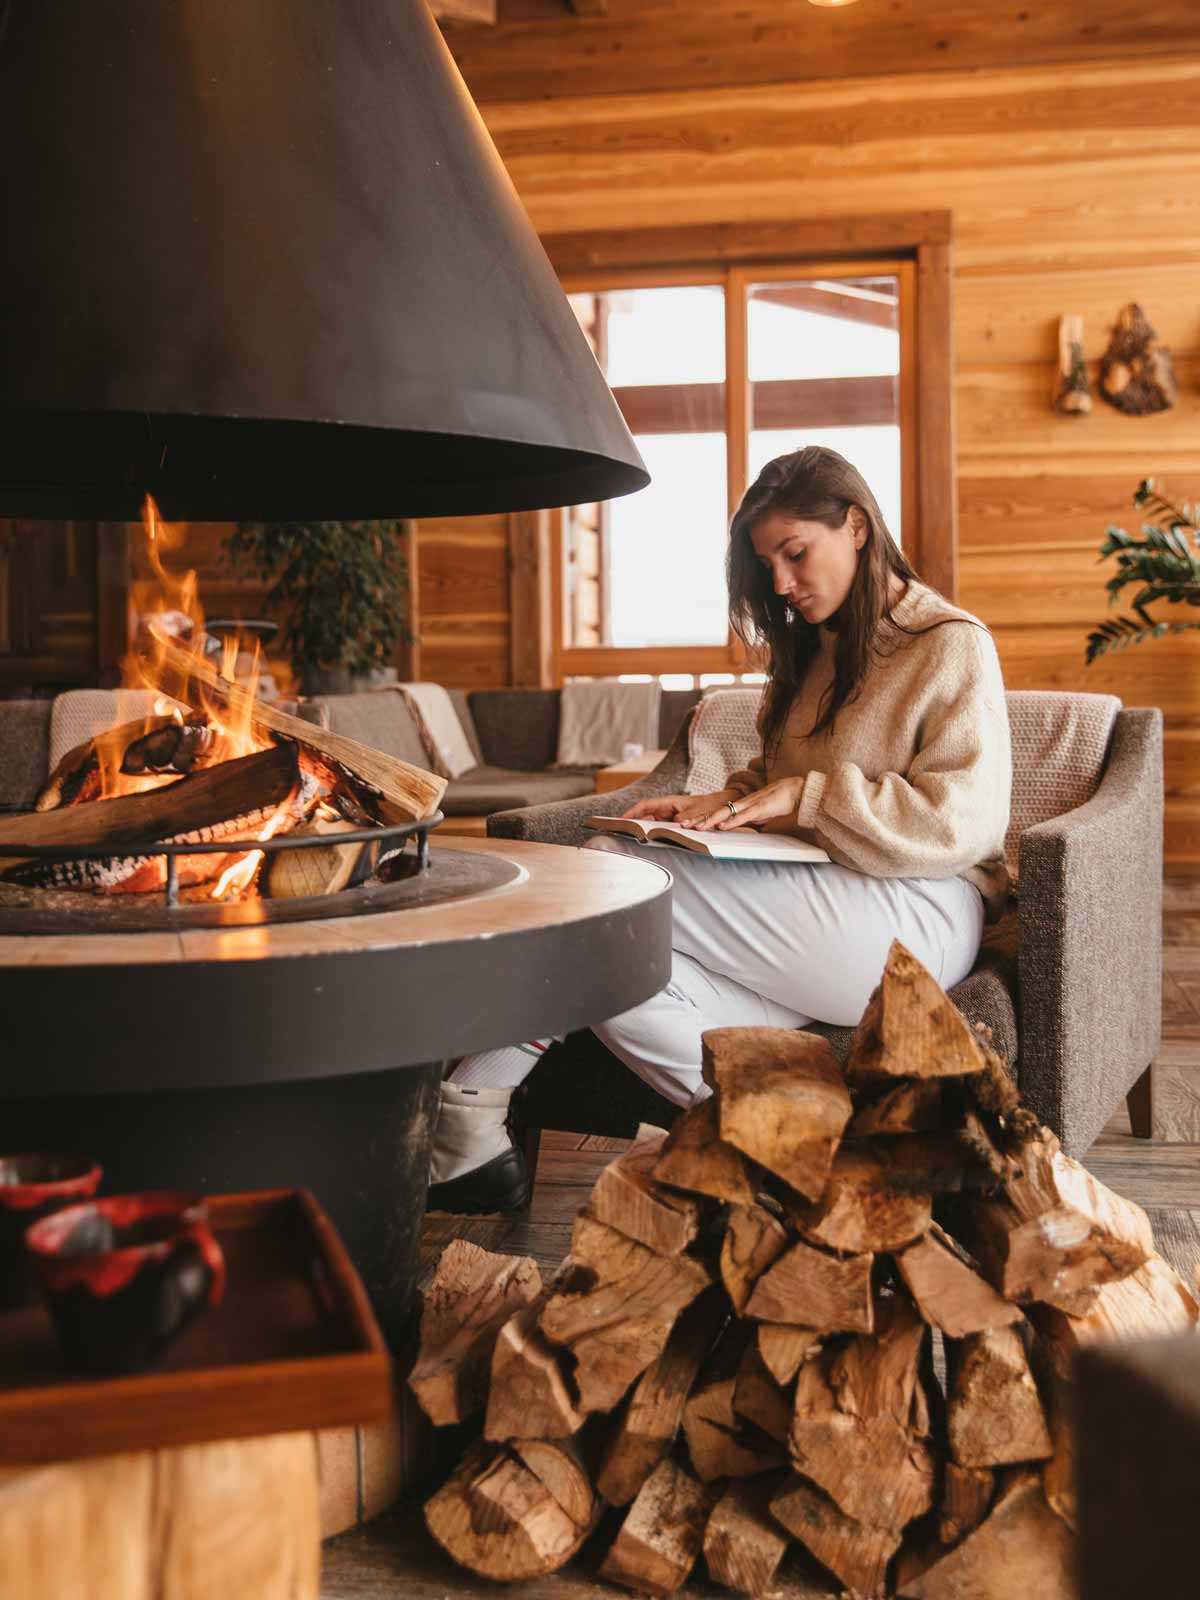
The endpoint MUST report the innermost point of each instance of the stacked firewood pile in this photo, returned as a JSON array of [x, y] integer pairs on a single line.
[[832, 1312]]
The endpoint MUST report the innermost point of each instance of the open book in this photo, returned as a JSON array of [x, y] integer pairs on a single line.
[[733, 844]]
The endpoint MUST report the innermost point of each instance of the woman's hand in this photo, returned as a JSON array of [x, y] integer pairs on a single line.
[[780, 799], [689, 810]]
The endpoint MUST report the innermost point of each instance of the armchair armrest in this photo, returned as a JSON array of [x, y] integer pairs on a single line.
[[1090, 911], [561, 822]]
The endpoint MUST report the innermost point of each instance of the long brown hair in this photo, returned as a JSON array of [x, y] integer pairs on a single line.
[[812, 485]]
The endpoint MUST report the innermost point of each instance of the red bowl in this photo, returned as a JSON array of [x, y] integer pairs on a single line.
[[124, 1275], [32, 1186]]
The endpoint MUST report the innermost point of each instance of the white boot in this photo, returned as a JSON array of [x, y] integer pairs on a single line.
[[475, 1166]]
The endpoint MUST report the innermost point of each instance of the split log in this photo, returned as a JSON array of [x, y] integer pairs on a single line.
[[781, 1100], [877, 1375], [528, 1397], [966, 1497], [757, 1398], [398, 791], [316, 870], [1058, 1475], [783, 1348], [859, 1209], [720, 1444], [950, 1292], [806, 1287], [1022, 1548], [754, 1240], [661, 1538], [994, 1089], [946, 1162], [473, 1293], [619, 1318], [743, 1544], [1154, 1299], [1072, 391], [498, 1518], [1136, 372], [1057, 1230], [627, 1198], [994, 1413], [695, 1157], [911, 1028], [872, 1466], [856, 1552], [559, 1466], [655, 1410], [79, 777], [913, 1106]]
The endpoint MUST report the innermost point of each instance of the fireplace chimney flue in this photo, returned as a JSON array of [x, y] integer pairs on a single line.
[[264, 262]]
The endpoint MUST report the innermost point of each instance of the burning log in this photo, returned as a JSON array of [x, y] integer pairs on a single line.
[[229, 801], [798, 1329], [472, 1295], [79, 776], [781, 1100], [398, 792], [296, 874]]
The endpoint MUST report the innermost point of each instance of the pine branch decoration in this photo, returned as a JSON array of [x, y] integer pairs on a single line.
[[1165, 562]]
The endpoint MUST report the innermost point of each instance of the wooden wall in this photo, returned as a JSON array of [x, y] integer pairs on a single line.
[[463, 604], [1073, 188]]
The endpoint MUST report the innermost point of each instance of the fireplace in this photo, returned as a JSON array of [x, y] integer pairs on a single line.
[[264, 263]]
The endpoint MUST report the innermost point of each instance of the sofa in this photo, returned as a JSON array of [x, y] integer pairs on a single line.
[[1069, 980], [512, 732]]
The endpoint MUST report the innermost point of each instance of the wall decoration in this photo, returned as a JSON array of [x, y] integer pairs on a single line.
[[1072, 391], [1136, 374], [1164, 563]]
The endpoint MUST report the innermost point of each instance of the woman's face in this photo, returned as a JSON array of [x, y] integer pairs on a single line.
[[811, 566]]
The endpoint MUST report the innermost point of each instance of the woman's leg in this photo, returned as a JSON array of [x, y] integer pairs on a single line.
[[660, 1039], [813, 938]]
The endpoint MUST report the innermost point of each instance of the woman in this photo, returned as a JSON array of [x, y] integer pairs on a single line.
[[884, 739]]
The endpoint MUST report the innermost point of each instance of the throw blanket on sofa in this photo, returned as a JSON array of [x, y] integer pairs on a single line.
[[80, 714], [598, 719], [446, 746]]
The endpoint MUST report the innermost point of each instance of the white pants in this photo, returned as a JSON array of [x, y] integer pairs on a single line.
[[780, 944]]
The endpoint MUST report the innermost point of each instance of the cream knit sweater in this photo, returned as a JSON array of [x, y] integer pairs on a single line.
[[915, 778]]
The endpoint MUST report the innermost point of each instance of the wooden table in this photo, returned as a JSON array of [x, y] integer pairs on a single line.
[[616, 777]]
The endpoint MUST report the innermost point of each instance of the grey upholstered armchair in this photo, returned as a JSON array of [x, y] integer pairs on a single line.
[[1069, 980]]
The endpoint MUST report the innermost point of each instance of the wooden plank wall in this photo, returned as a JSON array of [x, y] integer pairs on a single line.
[[1073, 188], [463, 596]]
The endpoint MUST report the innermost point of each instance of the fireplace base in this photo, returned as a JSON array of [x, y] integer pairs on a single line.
[[360, 1143]]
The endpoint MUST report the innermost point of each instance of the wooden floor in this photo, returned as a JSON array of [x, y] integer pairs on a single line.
[[393, 1555]]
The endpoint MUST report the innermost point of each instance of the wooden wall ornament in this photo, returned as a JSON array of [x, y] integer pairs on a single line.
[[1136, 373], [1072, 390]]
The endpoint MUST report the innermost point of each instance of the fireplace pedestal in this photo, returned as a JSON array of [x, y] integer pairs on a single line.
[[310, 1053]]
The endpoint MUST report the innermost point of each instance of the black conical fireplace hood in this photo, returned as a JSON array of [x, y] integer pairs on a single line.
[[263, 260]]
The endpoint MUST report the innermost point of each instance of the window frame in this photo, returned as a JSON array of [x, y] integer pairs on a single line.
[[916, 248]]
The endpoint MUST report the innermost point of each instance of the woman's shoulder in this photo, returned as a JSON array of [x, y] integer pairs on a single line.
[[921, 607], [940, 632]]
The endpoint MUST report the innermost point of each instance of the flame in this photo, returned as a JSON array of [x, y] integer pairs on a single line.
[[239, 875]]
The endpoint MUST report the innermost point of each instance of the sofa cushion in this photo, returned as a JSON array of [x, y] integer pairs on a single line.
[[489, 789], [24, 752], [1060, 747], [380, 720], [517, 728], [723, 737], [462, 706]]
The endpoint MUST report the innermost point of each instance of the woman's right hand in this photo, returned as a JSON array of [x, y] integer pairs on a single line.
[[689, 810]]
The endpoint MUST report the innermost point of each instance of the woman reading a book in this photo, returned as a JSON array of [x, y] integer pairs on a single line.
[[885, 741]]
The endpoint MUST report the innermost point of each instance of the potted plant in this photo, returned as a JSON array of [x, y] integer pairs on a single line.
[[341, 592], [1165, 561]]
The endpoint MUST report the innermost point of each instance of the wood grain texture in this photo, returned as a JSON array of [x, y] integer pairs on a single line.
[[539, 50]]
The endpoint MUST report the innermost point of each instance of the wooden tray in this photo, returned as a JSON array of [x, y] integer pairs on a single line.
[[293, 1345]]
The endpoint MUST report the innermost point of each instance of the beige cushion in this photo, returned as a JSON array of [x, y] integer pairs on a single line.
[[723, 738], [600, 718], [80, 714], [1060, 746]]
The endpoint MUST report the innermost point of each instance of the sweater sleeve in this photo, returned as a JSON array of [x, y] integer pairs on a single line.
[[947, 812]]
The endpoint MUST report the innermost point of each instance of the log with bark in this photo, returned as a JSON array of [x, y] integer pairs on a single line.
[[776, 1359], [1136, 372]]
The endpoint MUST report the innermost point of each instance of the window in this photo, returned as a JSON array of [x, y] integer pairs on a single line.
[[716, 372]]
